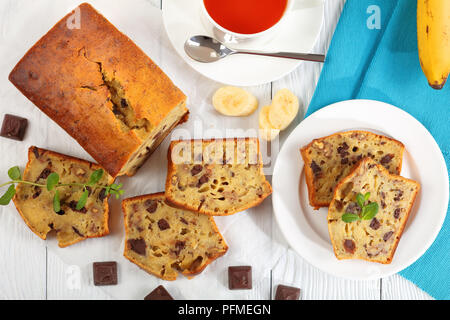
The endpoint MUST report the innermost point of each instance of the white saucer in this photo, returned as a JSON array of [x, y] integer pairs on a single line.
[[298, 33], [306, 229]]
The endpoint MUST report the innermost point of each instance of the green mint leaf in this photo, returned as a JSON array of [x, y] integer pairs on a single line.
[[107, 191], [369, 211], [350, 217], [95, 177], [82, 202], [52, 181], [9, 194], [14, 173], [56, 202], [360, 200], [366, 196]]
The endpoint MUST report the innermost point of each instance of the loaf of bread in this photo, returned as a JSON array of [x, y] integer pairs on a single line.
[[216, 177], [164, 240], [329, 159], [35, 204], [374, 239], [102, 89]]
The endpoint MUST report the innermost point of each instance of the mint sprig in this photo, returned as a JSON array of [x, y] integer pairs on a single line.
[[368, 211], [52, 183]]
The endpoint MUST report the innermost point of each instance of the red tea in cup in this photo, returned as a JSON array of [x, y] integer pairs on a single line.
[[246, 16]]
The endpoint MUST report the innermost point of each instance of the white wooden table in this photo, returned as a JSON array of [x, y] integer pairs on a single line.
[[28, 270]]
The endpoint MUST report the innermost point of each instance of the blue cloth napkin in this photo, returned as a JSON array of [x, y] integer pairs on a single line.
[[382, 64]]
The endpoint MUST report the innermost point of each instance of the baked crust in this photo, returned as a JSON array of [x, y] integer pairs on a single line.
[[309, 174], [405, 214], [68, 73], [21, 189], [188, 273], [171, 170]]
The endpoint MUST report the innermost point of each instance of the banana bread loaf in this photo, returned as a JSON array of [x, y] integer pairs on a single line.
[[329, 159], [35, 204], [216, 177], [371, 238], [164, 240], [102, 89]]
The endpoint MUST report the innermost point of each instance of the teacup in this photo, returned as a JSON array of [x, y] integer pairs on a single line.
[[265, 33]]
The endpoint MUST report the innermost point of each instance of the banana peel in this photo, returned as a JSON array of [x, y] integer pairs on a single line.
[[433, 39]]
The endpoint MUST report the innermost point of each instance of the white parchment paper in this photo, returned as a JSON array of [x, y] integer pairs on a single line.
[[248, 234]]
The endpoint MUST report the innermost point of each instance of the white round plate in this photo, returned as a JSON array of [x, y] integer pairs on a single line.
[[306, 229], [298, 33]]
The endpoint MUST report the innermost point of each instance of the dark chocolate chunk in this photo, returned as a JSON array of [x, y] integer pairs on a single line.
[[349, 246], [163, 224], [179, 245], [344, 161], [287, 293], [203, 179], [386, 159], [339, 205], [13, 127], [152, 205], [77, 232], [60, 212], [102, 195], [398, 195], [196, 169], [36, 152], [105, 273], [240, 277], [397, 213], [37, 192], [315, 168], [123, 103], [387, 235], [138, 246], [44, 174], [160, 293], [375, 224], [184, 220]]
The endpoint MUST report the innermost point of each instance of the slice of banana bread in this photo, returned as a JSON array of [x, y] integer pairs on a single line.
[[35, 204], [371, 238], [216, 177], [329, 159], [164, 240]]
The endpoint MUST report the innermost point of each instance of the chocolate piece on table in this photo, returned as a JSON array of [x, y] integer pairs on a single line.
[[13, 127], [240, 277], [287, 293], [105, 273], [160, 293]]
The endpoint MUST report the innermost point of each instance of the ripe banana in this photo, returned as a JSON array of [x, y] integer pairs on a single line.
[[233, 101], [284, 109], [267, 132], [433, 38]]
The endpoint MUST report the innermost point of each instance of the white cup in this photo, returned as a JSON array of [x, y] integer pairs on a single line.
[[227, 36]]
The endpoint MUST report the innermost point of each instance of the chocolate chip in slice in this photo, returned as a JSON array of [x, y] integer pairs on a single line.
[[160, 293], [151, 205], [196, 169], [349, 246], [203, 179], [13, 127], [240, 278], [163, 224], [287, 293], [105, 273], [138, 246], [375, 224], [387, 235]]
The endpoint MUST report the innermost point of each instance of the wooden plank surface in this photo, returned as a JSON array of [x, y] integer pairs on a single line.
[[31, 271]]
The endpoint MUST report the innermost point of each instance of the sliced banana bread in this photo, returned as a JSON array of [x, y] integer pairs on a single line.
[[329, 159], [35, 204], [164, 240], [216, 177], [366, 232]]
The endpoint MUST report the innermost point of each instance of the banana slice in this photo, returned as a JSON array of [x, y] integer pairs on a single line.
[[233, 101], [266, 131], [284, 109]]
